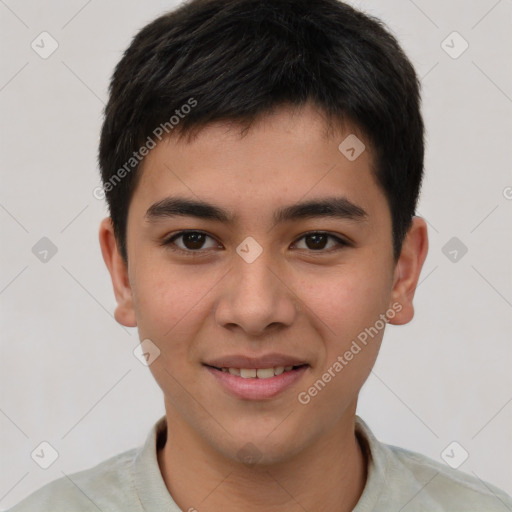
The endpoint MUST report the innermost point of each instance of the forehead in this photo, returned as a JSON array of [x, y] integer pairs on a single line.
[[288, 155]]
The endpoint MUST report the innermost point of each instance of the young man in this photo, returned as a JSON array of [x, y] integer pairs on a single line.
[[262, 161]]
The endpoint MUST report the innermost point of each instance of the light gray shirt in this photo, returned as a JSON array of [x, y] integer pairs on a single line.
[[398, 480]]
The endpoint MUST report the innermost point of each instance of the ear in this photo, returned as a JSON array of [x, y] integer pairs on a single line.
[[407, 271], [124, 313]]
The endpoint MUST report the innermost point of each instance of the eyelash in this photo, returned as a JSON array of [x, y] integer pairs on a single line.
[[169, 242]]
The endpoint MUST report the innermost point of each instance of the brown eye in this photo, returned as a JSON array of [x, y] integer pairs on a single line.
[[191, 241], [319, 241], [316, 241]]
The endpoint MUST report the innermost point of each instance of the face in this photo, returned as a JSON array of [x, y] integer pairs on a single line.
[[258, 297]]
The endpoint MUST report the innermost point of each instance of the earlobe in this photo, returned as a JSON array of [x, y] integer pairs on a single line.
[[407, 271], [124, 313]]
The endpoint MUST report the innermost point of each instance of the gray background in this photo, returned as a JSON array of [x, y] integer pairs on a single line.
[[68, 373]]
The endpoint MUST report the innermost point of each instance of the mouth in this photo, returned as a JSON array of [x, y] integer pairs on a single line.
[[258, 382], [258, 373]]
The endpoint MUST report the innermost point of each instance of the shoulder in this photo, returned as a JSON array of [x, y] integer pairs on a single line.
[[400, 479], [97, 488], [451, 489]]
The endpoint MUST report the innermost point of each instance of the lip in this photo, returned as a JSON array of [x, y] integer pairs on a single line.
[[266, 361], [254, 388]]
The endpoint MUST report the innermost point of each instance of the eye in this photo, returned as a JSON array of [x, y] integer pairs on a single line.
[[191, 241], [317, 241]]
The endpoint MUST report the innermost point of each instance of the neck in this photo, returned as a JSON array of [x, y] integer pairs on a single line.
[[329, 475]]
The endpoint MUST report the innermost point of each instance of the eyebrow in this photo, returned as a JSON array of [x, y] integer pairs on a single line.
[[334, 207]]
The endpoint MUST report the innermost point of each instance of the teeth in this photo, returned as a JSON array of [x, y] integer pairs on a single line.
[[265, 373], [260, 373]]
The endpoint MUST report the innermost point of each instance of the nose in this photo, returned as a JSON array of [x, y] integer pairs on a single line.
[[255, 297]]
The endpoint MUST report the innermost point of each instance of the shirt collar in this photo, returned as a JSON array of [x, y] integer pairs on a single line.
[[148, 480], [388, 483]]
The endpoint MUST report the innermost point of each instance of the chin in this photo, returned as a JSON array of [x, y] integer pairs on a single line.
[[262, 449]]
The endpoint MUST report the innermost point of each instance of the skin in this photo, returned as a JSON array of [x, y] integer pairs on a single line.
[[293, 299]]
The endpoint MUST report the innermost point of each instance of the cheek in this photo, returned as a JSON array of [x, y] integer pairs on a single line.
[[168, 308], [165, 300], [349, 309], [346, 300]]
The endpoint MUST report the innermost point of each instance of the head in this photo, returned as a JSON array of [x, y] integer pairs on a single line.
[[223, 116], [238, 60]]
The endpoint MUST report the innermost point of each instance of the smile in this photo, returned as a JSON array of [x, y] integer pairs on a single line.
[[257, 383], [259, 373]]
